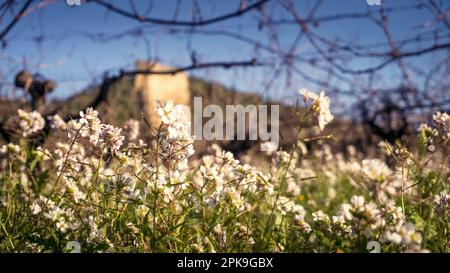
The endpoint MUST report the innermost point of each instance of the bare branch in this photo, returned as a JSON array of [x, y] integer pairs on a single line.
[[15, 19], [134, 16]]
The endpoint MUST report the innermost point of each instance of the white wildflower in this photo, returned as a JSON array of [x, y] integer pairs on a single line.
[[166, 113], [375, 169], [357, 202], [319, 216], [132, 129], [56, 122], [30, 123], [142, 210], [320, 107], [35, 208], [300, 222]]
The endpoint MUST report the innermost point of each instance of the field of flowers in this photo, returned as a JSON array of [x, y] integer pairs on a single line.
[[108, 190]]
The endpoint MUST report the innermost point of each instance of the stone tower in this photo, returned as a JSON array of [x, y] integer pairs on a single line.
[[157, 89]]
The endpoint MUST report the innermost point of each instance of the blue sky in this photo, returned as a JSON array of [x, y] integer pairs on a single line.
[[75, 61]]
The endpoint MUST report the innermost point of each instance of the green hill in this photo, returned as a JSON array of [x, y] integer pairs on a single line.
[[124, 103]]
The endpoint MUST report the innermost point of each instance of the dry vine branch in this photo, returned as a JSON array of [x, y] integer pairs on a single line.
[[14, 21], [205, 22]]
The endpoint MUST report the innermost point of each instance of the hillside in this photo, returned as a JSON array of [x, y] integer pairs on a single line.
[[124, 103]]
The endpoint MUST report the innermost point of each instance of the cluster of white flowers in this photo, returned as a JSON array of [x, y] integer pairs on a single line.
[[142, 210], [220, 234], [95, 234], [299, 220], [102, 191], [319, 216], [320, 106], [104, 136], [29, 123], [178, 127], [403, 234], [73, 189], [132, 127], [385, 222], [245, 234], [110, 138], [375, 169], [384, 181], [87, 126], [178, 141], [63, 219], [10, 148], [286, 205], [56, 122], [442, 122]]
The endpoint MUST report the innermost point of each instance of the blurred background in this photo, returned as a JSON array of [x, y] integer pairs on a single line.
[[385, 64]]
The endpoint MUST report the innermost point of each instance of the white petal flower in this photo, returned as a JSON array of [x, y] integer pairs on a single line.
[[35, 208], [319, 216], [357, 202], [325, 115], [56, 122], [29, 123], [375, 169], [308, 94], [320, 107]]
